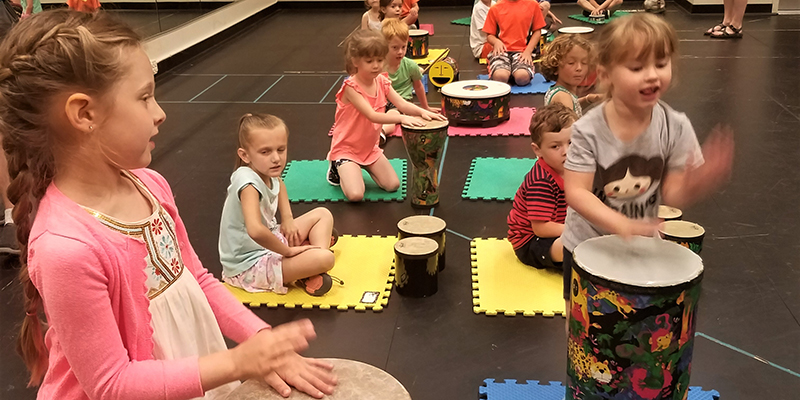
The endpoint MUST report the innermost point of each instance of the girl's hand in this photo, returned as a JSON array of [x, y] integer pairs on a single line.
[[308, 375], [270, 349], [295, 250], [412, 121], [639, 227], [291, 233], [435, 110], [594, 98], [427, 116], [718, 150]]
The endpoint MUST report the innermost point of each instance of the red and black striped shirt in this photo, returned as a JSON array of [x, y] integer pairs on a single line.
[[539, 198]]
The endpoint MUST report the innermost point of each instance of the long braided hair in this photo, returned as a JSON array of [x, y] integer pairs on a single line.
[[52, 53]]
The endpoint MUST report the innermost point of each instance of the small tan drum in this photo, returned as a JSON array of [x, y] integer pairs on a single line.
[[581, 30], [417, 43], [685, 233], [476, 102], [424, 145], [668, 213], [425, 226], [357, 381], [416, 267]]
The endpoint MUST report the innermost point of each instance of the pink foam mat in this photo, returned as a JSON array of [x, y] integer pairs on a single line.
[[427, 27], [517, 125]]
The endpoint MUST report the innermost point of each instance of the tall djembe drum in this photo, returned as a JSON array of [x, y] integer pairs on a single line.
[[424, 145], [632, 320]]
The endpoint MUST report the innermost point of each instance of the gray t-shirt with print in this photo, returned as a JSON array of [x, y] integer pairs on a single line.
[[627, 175]]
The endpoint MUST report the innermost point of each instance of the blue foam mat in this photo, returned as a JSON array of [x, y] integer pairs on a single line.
[[533, 390], [537, 85]]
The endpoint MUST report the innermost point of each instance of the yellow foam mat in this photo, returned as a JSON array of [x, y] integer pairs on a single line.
[[433, 56], [364, 263], [501, 284]]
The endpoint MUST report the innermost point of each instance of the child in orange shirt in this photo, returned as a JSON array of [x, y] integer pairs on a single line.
[[507, 26]]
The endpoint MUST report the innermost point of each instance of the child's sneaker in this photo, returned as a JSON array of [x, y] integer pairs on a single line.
[[316, 285], [333, 174], [382, 141]]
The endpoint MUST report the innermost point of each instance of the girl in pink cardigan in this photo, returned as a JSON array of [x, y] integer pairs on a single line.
[[131, 313]]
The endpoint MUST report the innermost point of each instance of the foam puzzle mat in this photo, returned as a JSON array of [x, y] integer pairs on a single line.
[[462, 21], [517, 125], [495, 178], [537, 85], [306, 182], [534, 390], [364, 263], [502, 285], [582, 18], [427, 27]]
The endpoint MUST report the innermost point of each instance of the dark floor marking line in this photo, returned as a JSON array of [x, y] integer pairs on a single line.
[[206, 89], [329, 90], [441, 165], [751, 355], [270, 87], [461, 235]]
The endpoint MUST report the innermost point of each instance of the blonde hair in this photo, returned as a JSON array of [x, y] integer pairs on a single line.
[[248, 122], [43, 56], [393, 27], [550, 118], [363, 43], [636, 36], [557, 50]]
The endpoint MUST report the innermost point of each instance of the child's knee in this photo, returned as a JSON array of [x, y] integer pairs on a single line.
[[501, 75], [325, 260], [522, 78], [392, 185], [324, 214], [354, 195], [545, 6]]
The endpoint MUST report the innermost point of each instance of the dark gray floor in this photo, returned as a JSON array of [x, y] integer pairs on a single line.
[[437, 347]]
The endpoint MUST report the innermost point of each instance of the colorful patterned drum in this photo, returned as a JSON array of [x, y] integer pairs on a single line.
[[443, 72], [632, 320], [668, 213], [356, 381], [416, 267], [685, 233], [417, 43], [425, 226], [424, 145], [476, 102]]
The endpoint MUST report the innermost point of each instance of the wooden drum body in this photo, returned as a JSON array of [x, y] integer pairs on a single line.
[[357, 381], [685, 233], [417, 43], [632, 321], [425, 226], [424, 146], [416, 267], [476, 102]]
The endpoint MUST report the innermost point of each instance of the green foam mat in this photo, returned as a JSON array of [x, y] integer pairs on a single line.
[[462, 21], [496, 178], [588, 20], [306, 182]]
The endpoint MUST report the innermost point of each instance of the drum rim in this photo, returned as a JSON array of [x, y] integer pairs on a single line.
[[633, 289], [489, 83], [669, 208], [642, 287], [416, 32], [682, 222], [426, 233], [416, 256], [446, 123], [576, 29]]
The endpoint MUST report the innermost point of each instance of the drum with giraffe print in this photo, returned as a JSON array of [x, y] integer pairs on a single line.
[[632, 319]]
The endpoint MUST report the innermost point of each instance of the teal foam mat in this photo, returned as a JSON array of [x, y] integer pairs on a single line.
[[496, 178], [462, 21], [305, 182]]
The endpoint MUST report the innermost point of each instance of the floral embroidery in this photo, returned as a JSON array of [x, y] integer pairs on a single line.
[[157, 226]]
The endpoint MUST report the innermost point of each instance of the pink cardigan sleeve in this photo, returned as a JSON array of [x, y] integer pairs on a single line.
[[75, 289], [236, 321]]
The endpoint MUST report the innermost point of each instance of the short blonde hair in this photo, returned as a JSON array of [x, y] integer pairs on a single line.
[[393, 27], [557, 50], [363, 43], [636, 36]]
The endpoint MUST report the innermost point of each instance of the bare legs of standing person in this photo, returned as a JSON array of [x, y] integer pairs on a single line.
[[8, 233], [732, 20]]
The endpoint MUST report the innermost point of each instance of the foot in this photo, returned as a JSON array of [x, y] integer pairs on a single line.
[[8, 239], [728, 33], [332, 175], [716, 28], [316, 285]]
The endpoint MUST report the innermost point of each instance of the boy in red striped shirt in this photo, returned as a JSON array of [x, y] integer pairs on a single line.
[[537, 216]]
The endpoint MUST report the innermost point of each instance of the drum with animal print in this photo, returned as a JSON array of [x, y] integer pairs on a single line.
[[632, 319]]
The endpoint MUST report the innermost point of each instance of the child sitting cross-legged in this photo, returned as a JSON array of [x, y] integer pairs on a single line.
[[508, 24], [404, 73], [537, 216]]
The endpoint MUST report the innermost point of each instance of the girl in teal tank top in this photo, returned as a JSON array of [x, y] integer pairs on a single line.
[[568, 60]]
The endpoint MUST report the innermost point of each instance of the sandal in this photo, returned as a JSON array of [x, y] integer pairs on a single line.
[[318, 285], [737, 33], [716, 28]]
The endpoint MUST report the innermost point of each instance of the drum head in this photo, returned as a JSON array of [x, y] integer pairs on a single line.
[[638, 261], [476, 89], [682, 229], [431, 125], [421, 225], [416, 247], [417, 32], [667, 212], [575, 29]]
